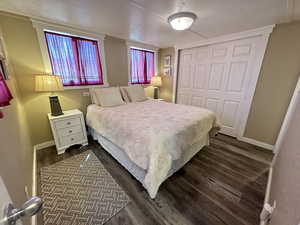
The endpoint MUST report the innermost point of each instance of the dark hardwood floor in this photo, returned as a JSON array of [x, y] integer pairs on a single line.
[[223, 184]]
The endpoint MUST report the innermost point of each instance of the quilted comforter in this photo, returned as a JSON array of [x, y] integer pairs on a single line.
[[152, 133]]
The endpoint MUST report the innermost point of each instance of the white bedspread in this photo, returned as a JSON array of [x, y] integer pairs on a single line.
[[153, 133]]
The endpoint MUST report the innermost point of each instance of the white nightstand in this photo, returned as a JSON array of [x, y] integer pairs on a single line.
[[68, 129]]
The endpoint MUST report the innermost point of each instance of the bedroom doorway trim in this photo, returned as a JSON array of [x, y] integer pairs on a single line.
[[263, 33]]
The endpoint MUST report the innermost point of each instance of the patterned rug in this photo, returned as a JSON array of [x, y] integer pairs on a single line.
[[80, 191]]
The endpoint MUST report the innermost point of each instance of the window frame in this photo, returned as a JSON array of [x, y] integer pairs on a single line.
[[143, 47], [42, 27], [145, 82]]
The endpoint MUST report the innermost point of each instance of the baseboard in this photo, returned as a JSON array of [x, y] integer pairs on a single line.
[[44, 145], [268, 191], [34, 168], [256, 143]]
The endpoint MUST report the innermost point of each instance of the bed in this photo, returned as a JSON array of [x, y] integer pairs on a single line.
[[152, 139]]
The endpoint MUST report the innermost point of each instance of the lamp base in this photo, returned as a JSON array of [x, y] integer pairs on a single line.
[[55, 106], [155, 96]]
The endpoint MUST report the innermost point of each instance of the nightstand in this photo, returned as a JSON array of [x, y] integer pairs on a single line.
[[68, 129]]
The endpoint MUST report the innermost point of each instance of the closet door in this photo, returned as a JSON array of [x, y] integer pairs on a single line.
[[185, 81], [217, 77]]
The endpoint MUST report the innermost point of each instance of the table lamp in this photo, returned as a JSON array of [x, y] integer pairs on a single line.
[[50, 83], [156, 83]]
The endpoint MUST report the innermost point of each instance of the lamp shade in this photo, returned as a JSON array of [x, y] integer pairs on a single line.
[[156, 81], [48, 83]]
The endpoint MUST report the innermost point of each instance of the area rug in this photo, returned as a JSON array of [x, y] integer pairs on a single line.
[[80, 191]]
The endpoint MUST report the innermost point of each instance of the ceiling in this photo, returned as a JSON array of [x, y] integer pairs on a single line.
[[146, 20]]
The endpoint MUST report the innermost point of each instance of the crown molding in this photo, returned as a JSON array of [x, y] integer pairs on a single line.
[[267, 30], [14, 15]]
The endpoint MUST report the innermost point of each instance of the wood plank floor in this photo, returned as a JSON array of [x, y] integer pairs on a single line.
[[224, 184]]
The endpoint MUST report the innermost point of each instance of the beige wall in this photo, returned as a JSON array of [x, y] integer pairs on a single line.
[[25, 123], [167, 81], [276, 82], [285, 188], [26, 59], [16, 149], [278, 78], [116, 61]]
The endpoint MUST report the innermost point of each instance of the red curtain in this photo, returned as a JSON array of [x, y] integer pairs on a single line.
[[5, 95], [141, 66], [75, 59]]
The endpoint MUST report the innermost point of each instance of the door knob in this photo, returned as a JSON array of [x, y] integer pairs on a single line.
[[29, 208]]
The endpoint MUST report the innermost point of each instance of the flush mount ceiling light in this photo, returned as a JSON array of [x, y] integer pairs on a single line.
[[182, 20]]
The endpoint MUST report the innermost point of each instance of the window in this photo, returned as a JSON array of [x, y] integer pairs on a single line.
[[141, 66], [75, 59]]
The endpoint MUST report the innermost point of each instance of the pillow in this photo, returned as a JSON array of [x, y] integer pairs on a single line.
[[124, 94], [136, 93], [93, 96], [107, 97]]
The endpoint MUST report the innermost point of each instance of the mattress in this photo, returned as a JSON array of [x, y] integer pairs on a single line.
[[139, 173]]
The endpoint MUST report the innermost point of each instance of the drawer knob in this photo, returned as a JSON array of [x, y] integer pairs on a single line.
[[68, 123], [70, 131], [72, 139]]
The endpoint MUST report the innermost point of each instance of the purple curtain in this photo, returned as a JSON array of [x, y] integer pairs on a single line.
[[5, 95], [76, 60], [150, 65], [62, 58], [90, 68], [141, 66]]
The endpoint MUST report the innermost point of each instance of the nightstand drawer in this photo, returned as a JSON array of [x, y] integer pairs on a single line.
[[67, 123], [69, 130], [71, 139]]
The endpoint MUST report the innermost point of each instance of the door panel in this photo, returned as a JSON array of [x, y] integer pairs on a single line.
[[236, 76], [216, 77], [242, 50], [186, 69], [197, 101], [230, 109], [200, 76], [212, 104], [183, 99], [219, 52]]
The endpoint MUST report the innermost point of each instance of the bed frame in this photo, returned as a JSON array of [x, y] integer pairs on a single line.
[[139, 173]]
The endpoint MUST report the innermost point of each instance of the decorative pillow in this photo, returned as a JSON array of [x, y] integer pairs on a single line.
[[108, 96], [136, 93], [124, 93]]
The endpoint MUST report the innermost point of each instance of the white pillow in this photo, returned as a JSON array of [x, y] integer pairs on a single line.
[[124, 94], [93, 96], [108, 96], [136, 93]]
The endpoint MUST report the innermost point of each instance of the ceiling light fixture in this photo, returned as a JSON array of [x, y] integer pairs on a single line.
[[182, 20]]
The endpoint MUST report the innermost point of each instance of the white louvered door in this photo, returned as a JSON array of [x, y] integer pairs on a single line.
[[217, 77]]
